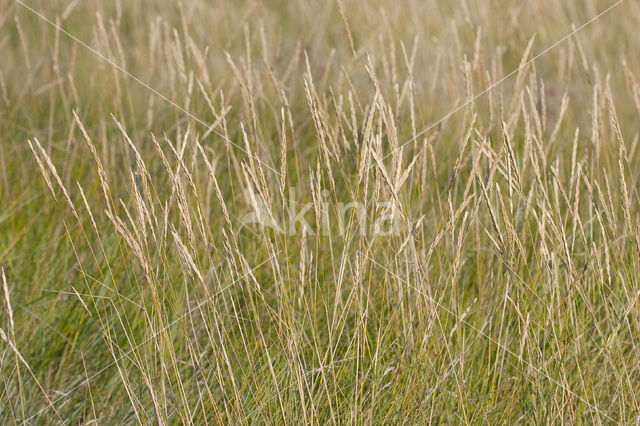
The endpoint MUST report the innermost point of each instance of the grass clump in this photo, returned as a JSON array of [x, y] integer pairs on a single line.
[[307, 212]]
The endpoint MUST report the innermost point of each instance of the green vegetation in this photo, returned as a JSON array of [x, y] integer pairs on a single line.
[[467, 172]]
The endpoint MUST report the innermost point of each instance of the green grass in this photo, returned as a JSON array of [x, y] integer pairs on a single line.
[[134, 293]]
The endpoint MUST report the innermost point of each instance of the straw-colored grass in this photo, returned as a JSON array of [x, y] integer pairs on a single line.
[[464, 176]]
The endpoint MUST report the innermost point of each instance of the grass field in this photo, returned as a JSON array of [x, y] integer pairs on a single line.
[[340, 211]]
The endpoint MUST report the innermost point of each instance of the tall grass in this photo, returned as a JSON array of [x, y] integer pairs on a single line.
[[423, 254]]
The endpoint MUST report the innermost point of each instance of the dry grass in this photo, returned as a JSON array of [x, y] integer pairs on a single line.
[[505, 290]]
